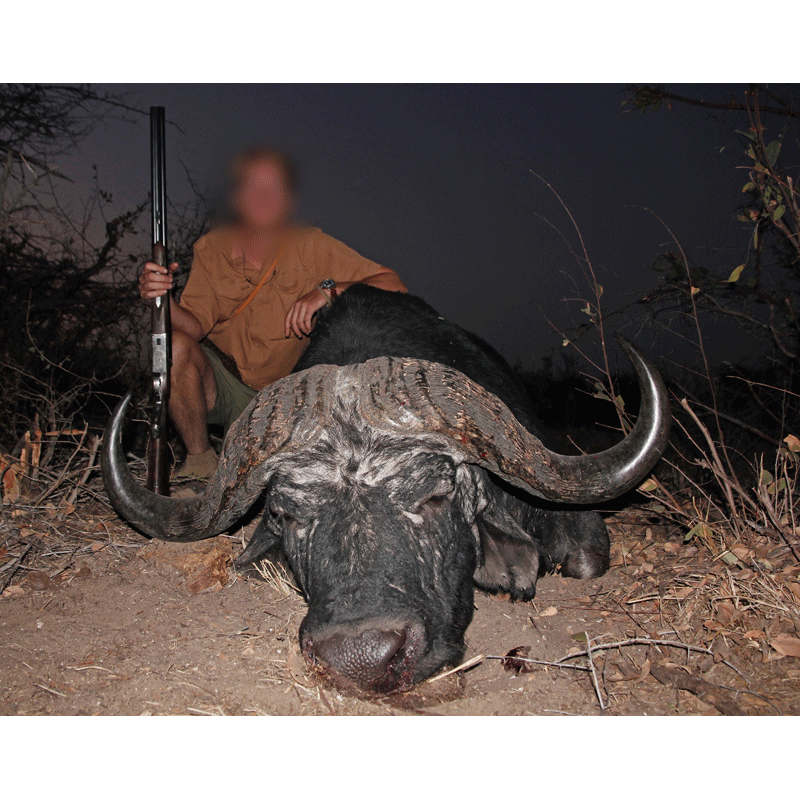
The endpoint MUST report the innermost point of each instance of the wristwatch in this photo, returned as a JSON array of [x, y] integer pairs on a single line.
[[329, 285]]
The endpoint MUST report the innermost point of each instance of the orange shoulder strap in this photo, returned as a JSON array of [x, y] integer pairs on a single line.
[[263, 280]]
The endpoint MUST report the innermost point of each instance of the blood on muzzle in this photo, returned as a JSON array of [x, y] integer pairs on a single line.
[[374, 660]]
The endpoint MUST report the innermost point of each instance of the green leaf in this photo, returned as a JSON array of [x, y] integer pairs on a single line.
[[578, 637], [648, 486], [748, 187], [736, 274], [778, 213], [729, 558], [778, 486], [765, 479], [773, 149], [701, 530]]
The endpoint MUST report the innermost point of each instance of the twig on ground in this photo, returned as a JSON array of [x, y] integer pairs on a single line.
[[579, 667], [593, 672], [466, 665], [703, 689], [52, 691], [640, 641]]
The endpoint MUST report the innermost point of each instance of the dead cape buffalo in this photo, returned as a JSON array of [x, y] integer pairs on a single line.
[[399, 467]]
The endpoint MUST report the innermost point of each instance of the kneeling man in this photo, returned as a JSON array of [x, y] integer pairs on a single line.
[[250, 302]]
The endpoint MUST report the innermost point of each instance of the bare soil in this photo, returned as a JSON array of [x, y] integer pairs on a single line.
[[97, 620]]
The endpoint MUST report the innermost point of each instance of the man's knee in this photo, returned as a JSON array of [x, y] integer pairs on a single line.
[[185, 351], [190, 365]]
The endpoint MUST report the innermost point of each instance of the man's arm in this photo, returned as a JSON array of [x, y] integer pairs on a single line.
[[300, 319], [384, 279], [156, 281]]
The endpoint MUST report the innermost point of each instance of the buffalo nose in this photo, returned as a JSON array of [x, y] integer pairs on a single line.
[[373, 659]]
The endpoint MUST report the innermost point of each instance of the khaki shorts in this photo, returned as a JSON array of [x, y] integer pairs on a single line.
[[233, 396]]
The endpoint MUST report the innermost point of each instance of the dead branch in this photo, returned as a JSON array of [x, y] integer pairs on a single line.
[[13, 567], [707, 692], [94, 443]]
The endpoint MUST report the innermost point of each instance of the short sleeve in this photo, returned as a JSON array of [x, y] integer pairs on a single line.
[[334, 259], [198, 296]]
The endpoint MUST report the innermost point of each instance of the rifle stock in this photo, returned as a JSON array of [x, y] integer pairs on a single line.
[[160, 328]]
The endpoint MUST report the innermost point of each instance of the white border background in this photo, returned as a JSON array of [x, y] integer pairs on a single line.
[[615, 42]]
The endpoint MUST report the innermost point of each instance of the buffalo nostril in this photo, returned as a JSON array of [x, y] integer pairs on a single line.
[[365, 659]]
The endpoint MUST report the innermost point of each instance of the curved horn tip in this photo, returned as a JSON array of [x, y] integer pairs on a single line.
[[612, 472], [121, 411], [112, 435], [630, 349], [150, 513]]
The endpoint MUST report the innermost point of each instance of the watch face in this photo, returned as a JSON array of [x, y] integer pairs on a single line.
[[328, 283]]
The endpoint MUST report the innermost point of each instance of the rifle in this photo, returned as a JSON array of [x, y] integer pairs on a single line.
[[160, 327]]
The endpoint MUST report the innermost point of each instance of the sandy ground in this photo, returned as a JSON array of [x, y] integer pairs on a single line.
[[101, 621]]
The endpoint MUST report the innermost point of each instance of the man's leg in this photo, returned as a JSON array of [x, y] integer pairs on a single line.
[[193, 392]]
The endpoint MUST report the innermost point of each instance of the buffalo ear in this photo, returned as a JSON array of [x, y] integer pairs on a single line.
[[509, 559], [263, 544]]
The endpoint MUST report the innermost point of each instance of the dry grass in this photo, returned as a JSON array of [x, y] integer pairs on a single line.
[[725, 511], [53, 467], [277, 577], [747, 527]]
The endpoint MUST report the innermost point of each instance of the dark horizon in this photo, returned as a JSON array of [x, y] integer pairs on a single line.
[[435, 182]]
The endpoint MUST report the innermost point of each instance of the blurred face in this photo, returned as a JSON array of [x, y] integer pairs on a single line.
[[262, 200]]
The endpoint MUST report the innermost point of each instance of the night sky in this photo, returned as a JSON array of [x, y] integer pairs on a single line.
[[434, 181]]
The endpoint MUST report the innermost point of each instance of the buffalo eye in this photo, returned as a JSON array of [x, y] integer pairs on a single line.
[[435, 501], [441, 494], [281, 514]]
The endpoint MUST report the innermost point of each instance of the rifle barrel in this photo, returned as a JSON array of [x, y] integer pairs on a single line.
[[158, 178], [158, 453]]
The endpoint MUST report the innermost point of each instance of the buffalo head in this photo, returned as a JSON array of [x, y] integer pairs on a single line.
[[378, 486]]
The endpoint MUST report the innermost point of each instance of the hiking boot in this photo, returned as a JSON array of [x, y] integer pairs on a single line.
[[201, 466]]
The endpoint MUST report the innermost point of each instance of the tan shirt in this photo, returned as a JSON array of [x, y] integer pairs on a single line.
[[255, 338]]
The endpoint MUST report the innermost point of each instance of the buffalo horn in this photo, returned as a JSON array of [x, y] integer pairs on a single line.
[[407, 396], [280, 419]]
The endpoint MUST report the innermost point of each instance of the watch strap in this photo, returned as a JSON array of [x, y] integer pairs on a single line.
[[328, 298]]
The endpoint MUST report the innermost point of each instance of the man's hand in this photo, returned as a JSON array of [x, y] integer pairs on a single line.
[[300, 319], [155, 281]]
